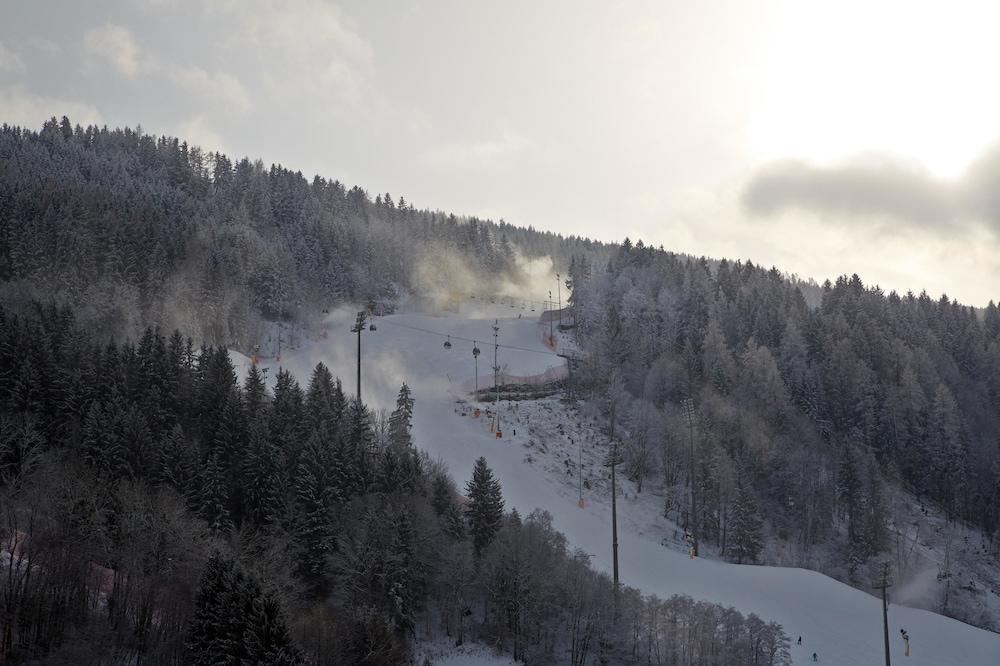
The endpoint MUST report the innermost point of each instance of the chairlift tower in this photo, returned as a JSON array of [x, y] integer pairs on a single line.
[[552, 337], [496, 373], [475, 356], [359, 326], [559, 293]]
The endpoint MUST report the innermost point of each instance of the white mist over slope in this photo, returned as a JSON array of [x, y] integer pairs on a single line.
[[841, 624]]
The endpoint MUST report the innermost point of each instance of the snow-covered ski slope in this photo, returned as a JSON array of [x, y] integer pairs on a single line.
[[841, 624]]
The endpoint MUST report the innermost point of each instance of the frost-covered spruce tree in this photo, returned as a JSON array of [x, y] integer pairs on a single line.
[[851, 505], [230, 436], [177, 463], [95, 432], [254, 394], [485, 508], [400, 464], [324, 401], [356, 447], [401, 420], [313, 533], [287, 420], [103, 448], [214, 504], [266, 637], [263, 472], [210, 632], [236, 622], [746, 524], [874, 520]]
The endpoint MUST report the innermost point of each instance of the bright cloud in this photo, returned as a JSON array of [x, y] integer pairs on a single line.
[[21, 107], [483, 154], [220, 86], [115, 45], [10, 61]]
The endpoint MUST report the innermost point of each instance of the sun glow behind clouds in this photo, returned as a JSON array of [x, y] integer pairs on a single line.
[[910, 78]]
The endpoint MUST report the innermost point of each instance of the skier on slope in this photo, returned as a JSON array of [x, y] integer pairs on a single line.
[[800, 640], [815, 658], [906, 642]]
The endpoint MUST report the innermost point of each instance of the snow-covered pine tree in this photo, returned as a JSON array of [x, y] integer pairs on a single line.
[[134, 435], [286, 420], [324, 401], [214, 504], [263, 474], [485, 508], [873, 534], [405, 580], [355, 449], [210, 634], [313, 531], [236, 622], [177, 464], [266, 636], [395, 471], [401, 420], [746, 540], [254, 394], [851, 502], [230, 434], [102, 445]]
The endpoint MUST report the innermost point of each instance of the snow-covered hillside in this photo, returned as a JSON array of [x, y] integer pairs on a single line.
[[841, 624]]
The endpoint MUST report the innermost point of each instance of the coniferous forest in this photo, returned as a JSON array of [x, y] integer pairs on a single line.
[[156, 509], [819, 409], [137, 230]]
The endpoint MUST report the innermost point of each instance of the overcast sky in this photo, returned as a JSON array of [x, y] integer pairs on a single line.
[[824, 138]]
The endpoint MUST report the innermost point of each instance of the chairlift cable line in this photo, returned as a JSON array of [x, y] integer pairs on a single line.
[[386, 322]]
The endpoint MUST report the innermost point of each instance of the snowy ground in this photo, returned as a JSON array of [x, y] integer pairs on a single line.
[[444, 653], [942, 559], [841, 624], [925, 547]]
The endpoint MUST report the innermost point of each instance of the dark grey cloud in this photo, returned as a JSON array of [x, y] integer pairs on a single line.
[[862, 189]]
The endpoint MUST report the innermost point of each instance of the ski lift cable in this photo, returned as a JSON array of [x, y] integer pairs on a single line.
[[513, 299], [386, 322]]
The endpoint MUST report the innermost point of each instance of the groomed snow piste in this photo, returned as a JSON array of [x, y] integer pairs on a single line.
[[842, 625]]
